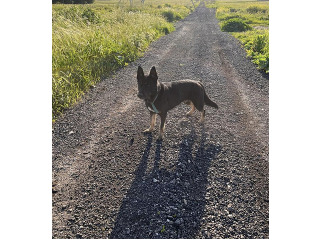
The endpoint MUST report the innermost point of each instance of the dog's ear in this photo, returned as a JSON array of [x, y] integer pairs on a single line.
[[140, 73], [153, 73]]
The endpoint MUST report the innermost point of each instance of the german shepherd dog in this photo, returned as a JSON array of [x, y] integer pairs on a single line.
[[160, 97]]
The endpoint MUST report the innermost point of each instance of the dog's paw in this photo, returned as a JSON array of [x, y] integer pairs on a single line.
[[148, 130]]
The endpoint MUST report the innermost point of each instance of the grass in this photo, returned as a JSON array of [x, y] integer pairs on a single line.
[[254, 39], [256, 43], [89, 42]]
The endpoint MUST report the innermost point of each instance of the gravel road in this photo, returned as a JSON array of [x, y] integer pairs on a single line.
[[202, 181]]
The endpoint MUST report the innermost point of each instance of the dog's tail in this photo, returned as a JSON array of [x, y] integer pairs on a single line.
[[208, 102]]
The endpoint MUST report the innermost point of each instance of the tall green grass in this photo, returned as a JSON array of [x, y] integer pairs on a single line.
[[254, 38], [256, 44], [91, 41]]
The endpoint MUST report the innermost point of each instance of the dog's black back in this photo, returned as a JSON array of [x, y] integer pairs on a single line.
[[171, 94]]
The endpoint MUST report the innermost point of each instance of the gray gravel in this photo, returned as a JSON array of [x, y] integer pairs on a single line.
[[212, 181]]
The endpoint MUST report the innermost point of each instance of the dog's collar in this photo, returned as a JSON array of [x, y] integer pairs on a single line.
[[154, 109]]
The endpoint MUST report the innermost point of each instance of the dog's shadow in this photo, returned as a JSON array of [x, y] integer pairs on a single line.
[[164, 204]]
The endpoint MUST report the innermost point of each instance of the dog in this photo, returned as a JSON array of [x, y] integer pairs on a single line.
[[160, 97]]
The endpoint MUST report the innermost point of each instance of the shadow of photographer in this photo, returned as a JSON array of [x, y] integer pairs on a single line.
[[167, 204]]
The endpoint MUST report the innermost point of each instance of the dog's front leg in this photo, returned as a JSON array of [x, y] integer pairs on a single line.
[[152, 122], [203, 112], [162, 124]]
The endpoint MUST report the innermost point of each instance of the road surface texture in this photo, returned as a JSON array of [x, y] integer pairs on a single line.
[[202, 181]]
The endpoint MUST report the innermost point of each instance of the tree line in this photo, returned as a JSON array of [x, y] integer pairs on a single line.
[[73, 1]]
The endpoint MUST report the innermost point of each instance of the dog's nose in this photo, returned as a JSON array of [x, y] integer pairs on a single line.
[[140, 95]]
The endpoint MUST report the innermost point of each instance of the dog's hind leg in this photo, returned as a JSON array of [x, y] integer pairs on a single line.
[[203, 112], [192, 108], [153, 121]]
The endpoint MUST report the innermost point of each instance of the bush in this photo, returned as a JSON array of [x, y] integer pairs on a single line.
[[259, 43], [262, 60], [257, 46], [260, 51], [235, 25], [90, 15], [168, 15], [171, 16]]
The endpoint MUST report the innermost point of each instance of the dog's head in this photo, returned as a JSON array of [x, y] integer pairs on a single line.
[[147, 85]]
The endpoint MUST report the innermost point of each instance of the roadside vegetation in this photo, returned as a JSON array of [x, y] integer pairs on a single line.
[[89, 42], [248, 21]]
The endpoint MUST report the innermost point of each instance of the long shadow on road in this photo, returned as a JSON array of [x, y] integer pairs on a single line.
[[167, 204]]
